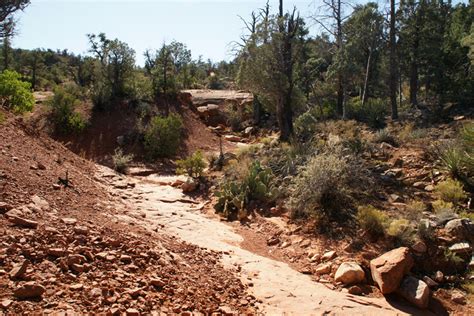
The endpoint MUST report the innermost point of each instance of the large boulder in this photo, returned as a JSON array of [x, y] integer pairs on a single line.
[[415, 291], [29, 290], [388, 269], [349, 273]]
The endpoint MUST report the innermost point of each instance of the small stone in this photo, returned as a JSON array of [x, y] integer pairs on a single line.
[[415, 291], [419, 185], [19, 270], [23, 222], [419, 247], [355, 290], [430, 281], [439, 277], [81, 230], [76, 287], [462, 247], [157, 282], [56, 252], [349, 273], [29, 290], [315, 258], [429, 188], [329, 255], [69, 221], [273, 241], [125, 259], [132, 312], [458, 297], [56, 186], [323, 269], [6, 303]]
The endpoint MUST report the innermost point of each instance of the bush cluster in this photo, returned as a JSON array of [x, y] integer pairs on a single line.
[[15, 94], [63, 115], [193, 165], [163, 136], [373, 112], [121, 161]]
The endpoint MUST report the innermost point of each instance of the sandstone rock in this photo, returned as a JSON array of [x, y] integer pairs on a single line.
[[69, 221], [355, 290], [23, 222], [419, 247], [56, 252], [19, 270], [429, 188], [460, 229], [29, 290], [81, 230], [190, 185], [4, 207], [415, 291], [388, 269], [462, 247], [273, 241], [232, 138], [430, 281], [40, 202], [157, 282], [76, 287], [132, 312], [125, 258], [458, 297], [6, 303], [349, 273], [439, 276], [323, 269], [329, 255]]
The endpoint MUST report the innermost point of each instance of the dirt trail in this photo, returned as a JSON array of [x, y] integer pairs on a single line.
[[282, 290]]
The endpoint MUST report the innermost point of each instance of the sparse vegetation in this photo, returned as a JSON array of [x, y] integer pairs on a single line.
[[401, 230], [193, 165], [163, 136], [450, 191], [372, 220], [121, 161]]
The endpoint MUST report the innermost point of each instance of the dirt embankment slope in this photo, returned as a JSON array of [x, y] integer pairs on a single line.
[[62, 250]]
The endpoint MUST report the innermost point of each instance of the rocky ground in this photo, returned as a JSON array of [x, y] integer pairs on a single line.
[[61, 252]]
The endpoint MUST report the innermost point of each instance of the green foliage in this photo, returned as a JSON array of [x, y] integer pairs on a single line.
[[163, 135], [234, 195], [322, 188], [373, 112], [63, 115], [121, 161], [452, 159], [193, 165], [401, 230], [15, 94], [450, 191], [371, 220], [384, 136], [415, 209], [2, 118], [452, 257]]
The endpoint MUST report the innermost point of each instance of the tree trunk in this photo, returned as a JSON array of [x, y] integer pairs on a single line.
[[414, 64], [393, 63], [365, 93], [340, 80]]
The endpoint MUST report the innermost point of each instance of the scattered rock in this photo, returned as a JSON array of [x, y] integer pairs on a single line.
[[429, 188], [19, 270], [76, 287], [273, 241], [430, 281], [232, 138], [439, 276], [132, 312], [355, 290], [69, 221], [460, 229], [462, 247], [23, 222], [419, 247], [458, 297], [323, 269], [349, 273], [329, 255], [415, 291], [190, 185], [388, 269], [6, 303], [29, 290]]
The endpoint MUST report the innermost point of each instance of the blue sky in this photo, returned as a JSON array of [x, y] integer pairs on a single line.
[[207, 27]]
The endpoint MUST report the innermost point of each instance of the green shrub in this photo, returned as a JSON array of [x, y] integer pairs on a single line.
[[452, 158], [450, 191], [322, 188], [2, 118], [15, 94], [163, 135], [384, 136], [371, 220], [415, 210], [63, 115], [193, 165], [234, 195], [121, 161], [373, 112], [101, 95], [401, 230]]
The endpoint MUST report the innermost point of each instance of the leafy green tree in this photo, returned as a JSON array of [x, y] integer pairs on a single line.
[[7, 9], [15, 94], [63, 115], [116, 65], [163, 136]]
